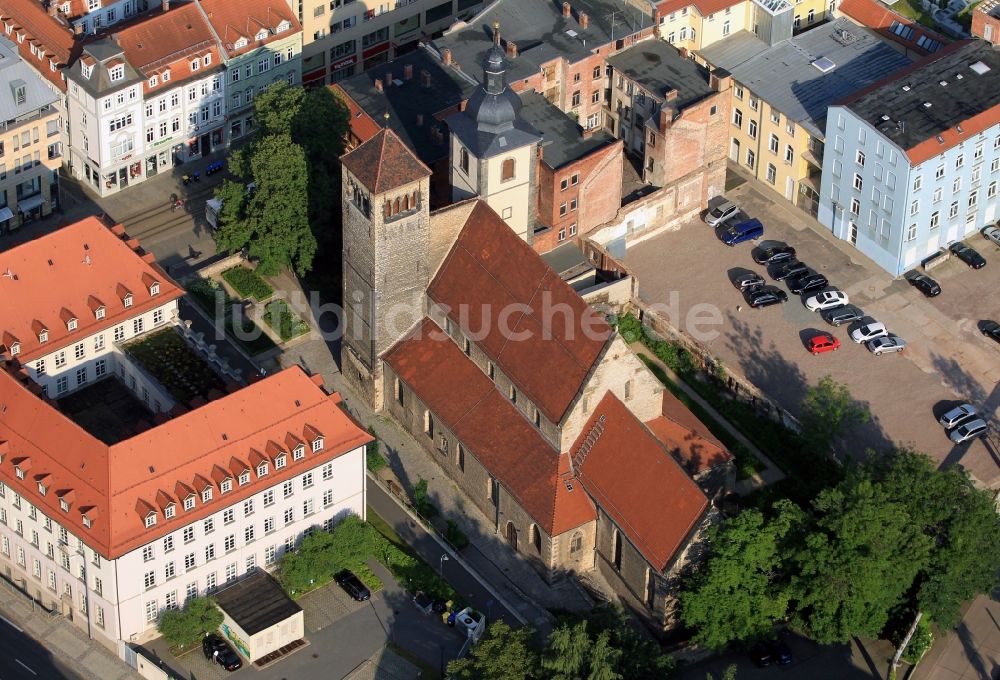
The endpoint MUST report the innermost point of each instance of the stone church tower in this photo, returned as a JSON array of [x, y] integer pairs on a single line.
[[387, 255], [493, 151]]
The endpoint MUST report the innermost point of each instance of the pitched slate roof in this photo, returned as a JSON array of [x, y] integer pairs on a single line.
[[636, 482], [468, 403], [384, 163], [530, 323]]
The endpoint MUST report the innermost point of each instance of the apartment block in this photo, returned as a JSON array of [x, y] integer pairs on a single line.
[[986, 21]]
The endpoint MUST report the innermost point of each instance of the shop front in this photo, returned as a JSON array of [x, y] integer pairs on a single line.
[[343, 69]]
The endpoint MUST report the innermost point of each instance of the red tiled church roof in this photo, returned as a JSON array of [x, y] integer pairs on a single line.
[[530, 323], [686, 437]]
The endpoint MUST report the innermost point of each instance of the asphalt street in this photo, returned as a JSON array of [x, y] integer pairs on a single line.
[[24, 658]]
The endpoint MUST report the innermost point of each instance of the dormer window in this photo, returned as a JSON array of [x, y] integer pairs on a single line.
[[299, 452], [154, 289], [127, 300], [42, 489], [99, 312], [116, 73], [244, 477], [87, 523], [280, 461], [262, 34], [207, 59], [206, 495], [64, 505], [151, 520], [226, 486], [189, 502], [153, 81], [170, 511], [317, 444], [71, 325], [166, 75], [240, 44], [195, 64], [19, 472], [283, 26], [15, 349], [86, 71], [43, 335], [262, 470]]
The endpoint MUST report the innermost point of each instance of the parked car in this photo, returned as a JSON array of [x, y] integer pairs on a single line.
[[992, 234], [787, 270], [748, 230], [748, 280], [924, 284], [970, 429], [841, 315], [957, 415], [226, 657], [991, 329], [968, 255], [886, 344], [781, 652], [807, 282], [721, 213], [760, 654], [776, 252], [764, 296], [869, 332], [822, 342], [827, 299], [352, 585]]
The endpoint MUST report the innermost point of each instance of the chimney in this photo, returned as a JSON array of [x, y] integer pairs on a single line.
[[684, 52], [388, 80], [670, 95], [425, 78], [584, 20], [541, 152], [656, 21], [446, 56], [720, 80], [408, 72], [420, 120], [53, 10], [511, 49], [567, 10], [378, 84], [462, 104], [665, 115], [78, 29], [166, 5]]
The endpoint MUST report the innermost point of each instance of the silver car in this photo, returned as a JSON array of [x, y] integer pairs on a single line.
[[721, 213], [992, 234], [957, 415], [968, 430], [885, 345]]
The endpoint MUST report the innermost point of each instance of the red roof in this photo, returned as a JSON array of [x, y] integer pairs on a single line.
[[53, 35], [636, 482], [877, 16], [467, 402], [62, 271], [363, 126], [383, 163], [686, 437], [704, 7], [531, 324], [235, 19], [127, 480]]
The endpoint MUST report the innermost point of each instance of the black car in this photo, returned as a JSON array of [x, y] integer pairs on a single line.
[[761, 655], [787, 270], [968, 255], [352, 585], [925, 284], [841, 315], [781, 652], [807, 282], [225, 657], [765, 296], [748, 280], [778, 252], [991, 329]]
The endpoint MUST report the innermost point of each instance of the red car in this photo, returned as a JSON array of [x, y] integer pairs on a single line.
[[823, 342]]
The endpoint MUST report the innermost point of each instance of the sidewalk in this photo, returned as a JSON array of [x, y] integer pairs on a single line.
[[769, 475], [68, 645]]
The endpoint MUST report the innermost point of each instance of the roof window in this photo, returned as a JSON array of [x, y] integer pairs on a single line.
[[979, 68], [824, 65]]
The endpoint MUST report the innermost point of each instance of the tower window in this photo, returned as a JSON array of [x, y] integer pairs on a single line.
[[507, 170], [463, 158]]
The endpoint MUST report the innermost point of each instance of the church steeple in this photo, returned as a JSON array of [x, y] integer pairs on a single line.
[[495, 65]]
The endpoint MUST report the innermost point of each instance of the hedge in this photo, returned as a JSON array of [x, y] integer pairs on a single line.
[[248, 283]]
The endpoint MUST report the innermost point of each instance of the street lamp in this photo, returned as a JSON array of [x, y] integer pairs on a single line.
[[444, 558]]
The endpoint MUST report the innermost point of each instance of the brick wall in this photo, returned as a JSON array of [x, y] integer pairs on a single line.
[[983, 23]]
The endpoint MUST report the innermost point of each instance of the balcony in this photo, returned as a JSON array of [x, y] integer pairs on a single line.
[[813, 155]]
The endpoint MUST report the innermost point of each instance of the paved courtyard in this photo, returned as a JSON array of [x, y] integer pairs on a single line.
[[946, 358]]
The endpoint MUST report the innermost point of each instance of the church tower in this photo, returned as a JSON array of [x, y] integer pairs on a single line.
[[386, 193], [493, 151]]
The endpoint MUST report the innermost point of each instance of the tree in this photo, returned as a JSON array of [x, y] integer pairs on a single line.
[[272, 220], [184, 627], [503, 654], [571, 654], [276, 108], [857, 562], [741, 589], [828, 412], [728, 674]]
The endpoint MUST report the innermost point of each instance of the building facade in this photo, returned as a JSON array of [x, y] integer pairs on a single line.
[[93, 16], [912, 164], [30, 143], [986, 21]]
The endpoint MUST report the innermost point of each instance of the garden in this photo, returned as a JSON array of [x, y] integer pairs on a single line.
[[208, 295], [280, 317], [174, 365], [248, 283]]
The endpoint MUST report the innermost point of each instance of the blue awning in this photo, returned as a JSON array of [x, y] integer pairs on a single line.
[[30, 203]]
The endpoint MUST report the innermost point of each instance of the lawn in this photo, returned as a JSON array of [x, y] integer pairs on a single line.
[[173, 364], [205, 293], [284, 321], [248, 283], [913, 10]]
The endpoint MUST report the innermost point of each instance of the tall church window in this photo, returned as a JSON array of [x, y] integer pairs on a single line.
[[507, 170]]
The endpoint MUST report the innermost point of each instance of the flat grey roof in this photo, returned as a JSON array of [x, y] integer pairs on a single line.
[[567, 260], [562, 140], [658, 66], [784, 75], [734, 50], [541, 32], [15, 73], [256, 602], [966, 93]]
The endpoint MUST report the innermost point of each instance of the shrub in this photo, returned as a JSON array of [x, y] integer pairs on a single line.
[[422, 502], [248, 283], [184, 627], [281, 318], [456, 536], [373, 456], [921, 641]]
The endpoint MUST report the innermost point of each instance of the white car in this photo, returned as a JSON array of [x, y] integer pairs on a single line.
[[968, 430], [957, 415], [721, 213], [828, 299], [992, 234], [869, 332]]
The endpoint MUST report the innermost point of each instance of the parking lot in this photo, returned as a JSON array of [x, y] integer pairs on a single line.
[[946, 358]]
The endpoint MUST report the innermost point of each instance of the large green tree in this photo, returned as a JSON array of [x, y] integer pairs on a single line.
[[828, 413], [185, 627], [504, 653], [572, 654], [741, 590]]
